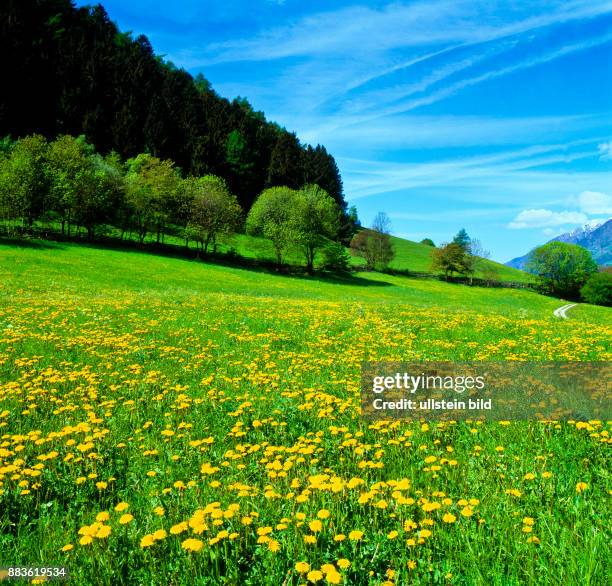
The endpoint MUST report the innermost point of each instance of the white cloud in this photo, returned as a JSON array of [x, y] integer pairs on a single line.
[[605, 151], [543, 218], [595, 202]]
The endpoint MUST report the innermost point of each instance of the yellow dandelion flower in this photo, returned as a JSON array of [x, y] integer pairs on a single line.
[[314, 576], [192, 545], [315, 526]]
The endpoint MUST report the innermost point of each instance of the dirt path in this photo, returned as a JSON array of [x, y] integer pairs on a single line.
[[560, 311]]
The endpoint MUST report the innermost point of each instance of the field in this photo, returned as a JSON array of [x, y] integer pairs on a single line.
[[165, 421]]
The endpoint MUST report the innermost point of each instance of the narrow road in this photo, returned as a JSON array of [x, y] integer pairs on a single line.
[[560, 311]]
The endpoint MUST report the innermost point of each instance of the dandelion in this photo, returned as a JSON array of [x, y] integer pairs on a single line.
[[355, 535], [147, 541], [467, 512], [343, 563], [125, 519], [67, 547], [192, 544], [581, 487], [302, 567], [315, 526], [179, 528], [449, 518], [314, 576], [122, 506]]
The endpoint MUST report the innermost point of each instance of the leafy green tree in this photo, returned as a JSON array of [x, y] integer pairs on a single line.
[[70, 168], [214, 210], [449, 259], [427, 242], [151, 186], [24, 182], [374, 247], [562, 268], [335, 257], [315, 218], [598, 289], [272, 216]]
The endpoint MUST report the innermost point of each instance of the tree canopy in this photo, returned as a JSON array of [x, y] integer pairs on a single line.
[[110, 87], [562, 268]]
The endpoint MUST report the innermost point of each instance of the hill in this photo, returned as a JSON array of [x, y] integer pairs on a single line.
[[112, 88], [596, 239], [410, 257]]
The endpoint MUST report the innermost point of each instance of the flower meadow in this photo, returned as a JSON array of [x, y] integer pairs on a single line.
[[170, 422]]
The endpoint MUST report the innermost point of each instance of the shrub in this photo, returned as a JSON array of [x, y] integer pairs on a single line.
[[598, 289]]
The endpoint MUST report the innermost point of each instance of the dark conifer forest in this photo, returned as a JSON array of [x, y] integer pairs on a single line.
[[71, 71]]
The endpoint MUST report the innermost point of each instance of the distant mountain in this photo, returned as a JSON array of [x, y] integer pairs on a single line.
[[597, 239]]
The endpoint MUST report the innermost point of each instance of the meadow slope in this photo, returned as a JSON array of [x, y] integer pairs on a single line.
[[165, 421]]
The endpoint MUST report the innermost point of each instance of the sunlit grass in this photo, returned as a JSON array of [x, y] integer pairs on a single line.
[[169, 421]]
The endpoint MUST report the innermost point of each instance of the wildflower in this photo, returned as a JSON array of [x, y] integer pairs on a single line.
[[122, 506], [449, 518], [314, 576], [467, 512], [315, 526], [179, 528], [192, 544], [147, 541], [343, 563], [302, 567], [125, 519], [355, 535], [581, 487]]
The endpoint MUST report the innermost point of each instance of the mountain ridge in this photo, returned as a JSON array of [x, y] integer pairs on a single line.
[[597, 239]]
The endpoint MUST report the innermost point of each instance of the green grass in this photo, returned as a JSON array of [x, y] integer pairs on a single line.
[[182, 386], [411, 257]]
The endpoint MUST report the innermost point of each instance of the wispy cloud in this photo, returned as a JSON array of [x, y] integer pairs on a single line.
[[361, 29]]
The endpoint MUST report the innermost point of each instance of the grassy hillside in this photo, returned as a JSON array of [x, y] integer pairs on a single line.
[[416, 257], [166, 420], [409, 256]]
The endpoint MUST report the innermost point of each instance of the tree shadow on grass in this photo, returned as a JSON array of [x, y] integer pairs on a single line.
[[179, 252], [11, 242]]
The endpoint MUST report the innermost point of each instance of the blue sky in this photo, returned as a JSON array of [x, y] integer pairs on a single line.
[[493, 116]]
